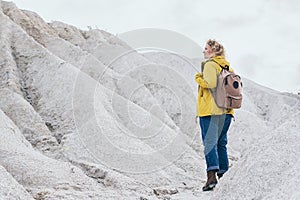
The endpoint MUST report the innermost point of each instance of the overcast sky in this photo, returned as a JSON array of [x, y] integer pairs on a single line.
[[261, 37]]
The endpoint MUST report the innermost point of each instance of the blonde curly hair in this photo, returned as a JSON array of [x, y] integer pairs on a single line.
[[216, 47]]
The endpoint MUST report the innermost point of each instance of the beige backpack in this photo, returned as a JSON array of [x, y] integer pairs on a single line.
[[228, 93]]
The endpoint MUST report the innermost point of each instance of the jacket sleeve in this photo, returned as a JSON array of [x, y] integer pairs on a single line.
[[207, 79]]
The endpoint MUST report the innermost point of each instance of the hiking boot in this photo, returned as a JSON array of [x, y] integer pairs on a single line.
[[211, 181], [220, 176]]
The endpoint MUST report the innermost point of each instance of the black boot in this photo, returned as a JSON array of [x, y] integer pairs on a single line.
[[211, 181], [219, 176]]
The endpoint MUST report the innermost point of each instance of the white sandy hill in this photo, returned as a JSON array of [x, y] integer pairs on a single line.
[[84, 116]]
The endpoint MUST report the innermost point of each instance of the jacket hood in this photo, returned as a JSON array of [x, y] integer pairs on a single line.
[[221, 60]]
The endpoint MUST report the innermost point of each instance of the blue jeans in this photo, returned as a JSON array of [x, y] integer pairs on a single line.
[[214, 137]]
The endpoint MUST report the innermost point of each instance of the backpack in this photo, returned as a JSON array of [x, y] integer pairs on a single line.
[[228, 93]]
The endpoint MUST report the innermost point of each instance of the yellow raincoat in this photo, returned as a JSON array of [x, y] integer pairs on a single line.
[[207, 80]]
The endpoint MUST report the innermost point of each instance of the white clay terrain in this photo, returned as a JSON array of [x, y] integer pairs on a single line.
[[84, 116]]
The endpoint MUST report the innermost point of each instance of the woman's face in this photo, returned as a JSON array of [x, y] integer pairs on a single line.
[[207, 52]]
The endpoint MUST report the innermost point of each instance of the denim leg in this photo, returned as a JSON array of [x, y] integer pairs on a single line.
[[222, 142], [209, 129]]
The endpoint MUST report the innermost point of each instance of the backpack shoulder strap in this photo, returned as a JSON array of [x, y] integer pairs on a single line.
[[204, 62]]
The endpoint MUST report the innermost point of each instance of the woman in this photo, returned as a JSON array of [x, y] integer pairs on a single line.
[[214, 121]]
